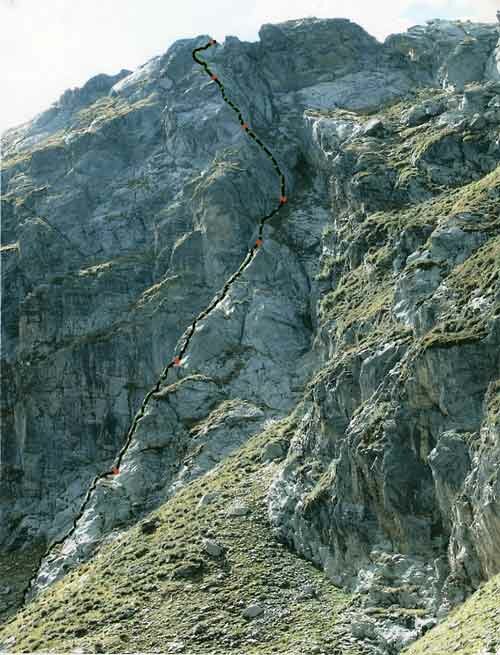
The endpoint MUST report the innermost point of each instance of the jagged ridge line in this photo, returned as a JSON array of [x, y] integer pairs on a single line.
[[190, 330], [250, 133]]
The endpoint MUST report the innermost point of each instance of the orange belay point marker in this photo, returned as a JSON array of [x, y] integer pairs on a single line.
[[245, 126], [259, 242], [177, 360], [283, 199], [214, 76], [115, 470]]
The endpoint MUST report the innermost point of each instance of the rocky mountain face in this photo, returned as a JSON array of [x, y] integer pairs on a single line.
[[360, 347]]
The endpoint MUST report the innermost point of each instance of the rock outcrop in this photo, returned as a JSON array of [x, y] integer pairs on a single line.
[[371, 311]]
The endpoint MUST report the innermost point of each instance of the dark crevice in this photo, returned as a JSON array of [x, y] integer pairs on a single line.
[[190, 331]]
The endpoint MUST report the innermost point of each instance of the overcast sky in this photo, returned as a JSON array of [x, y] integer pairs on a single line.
[[47, 46]]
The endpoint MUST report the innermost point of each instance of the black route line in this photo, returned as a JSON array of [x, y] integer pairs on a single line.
[[176, 361]]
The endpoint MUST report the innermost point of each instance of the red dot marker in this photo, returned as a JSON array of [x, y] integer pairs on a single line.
[[259, 242], [214, 77], [177, 361], [115, 470], [283, 199], [245, 126]]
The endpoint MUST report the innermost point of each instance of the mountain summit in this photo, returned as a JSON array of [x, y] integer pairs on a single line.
[[319, 470]]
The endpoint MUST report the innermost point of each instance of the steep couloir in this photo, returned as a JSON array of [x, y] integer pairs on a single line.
[[369, 318]]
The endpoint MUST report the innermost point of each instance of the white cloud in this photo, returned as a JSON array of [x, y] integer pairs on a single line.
[[365, 12], [48, 46], [479, 10]]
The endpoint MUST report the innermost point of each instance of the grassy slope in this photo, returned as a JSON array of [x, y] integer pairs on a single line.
[[16, 568], [128, 597], [468, 630]]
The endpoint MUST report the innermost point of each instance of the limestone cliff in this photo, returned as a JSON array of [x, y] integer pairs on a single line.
[[370, 318]]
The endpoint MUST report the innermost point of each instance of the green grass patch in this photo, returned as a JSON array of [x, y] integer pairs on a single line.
[[477, 278], [16, 568], [144, 591], [469, 630], [107, 109]]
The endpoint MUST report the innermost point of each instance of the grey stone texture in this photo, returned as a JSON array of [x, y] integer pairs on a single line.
[[373, 303]]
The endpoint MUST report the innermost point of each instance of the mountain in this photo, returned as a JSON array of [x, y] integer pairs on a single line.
[[318, 472]]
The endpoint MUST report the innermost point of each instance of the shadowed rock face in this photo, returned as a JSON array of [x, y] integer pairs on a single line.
[[373, 302]]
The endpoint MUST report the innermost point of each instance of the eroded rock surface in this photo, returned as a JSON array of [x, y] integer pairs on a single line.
[[372, 306]]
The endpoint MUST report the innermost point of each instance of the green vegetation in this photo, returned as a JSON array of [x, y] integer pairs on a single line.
[[362, 301], [107, 109], [167, 583], [142, 183], [149, 589], [352, 301], [394, 110], [481, 197], [118, 264], [469, 630], [219, 414], [328, 264], [54, 141], [360, 306], [477, 278], [358, 312], [220, 168], [319, 493], [89, 119], [424, 144], [16, 568]]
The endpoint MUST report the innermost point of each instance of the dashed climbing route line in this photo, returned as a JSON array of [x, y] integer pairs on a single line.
[[177, 359]]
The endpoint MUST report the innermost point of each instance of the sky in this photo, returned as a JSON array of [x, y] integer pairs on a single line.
[[48, 46]]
